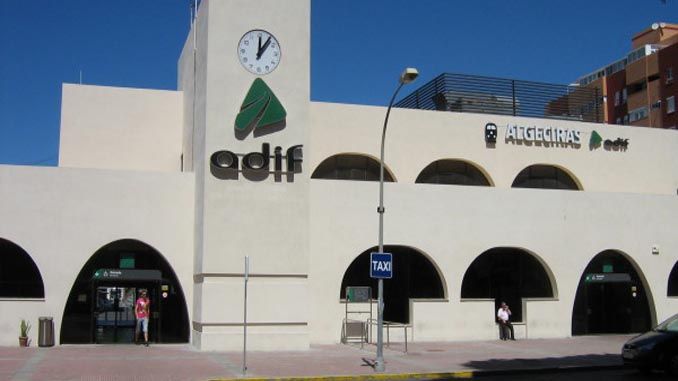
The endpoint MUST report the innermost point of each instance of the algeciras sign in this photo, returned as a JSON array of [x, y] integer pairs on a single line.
[[552, 136], [547, 135], [260, 113]]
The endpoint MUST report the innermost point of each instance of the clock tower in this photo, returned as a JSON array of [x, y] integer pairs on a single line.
[[245, 75]]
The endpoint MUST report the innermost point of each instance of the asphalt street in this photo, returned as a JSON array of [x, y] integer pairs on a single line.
[[592, 375]]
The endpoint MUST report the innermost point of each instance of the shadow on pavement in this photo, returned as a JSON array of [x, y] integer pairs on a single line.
[[547, 362]]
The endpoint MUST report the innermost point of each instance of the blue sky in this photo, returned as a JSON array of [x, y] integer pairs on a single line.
[[44, 43]]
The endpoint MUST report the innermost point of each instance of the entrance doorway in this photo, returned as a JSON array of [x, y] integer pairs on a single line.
[[611, 298], [100, 306], [114, 294], [114, 319]]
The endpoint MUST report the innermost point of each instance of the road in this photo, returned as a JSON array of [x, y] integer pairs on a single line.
[[594, 375]]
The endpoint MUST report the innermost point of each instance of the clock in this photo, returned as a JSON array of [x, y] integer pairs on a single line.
[[259, 52]]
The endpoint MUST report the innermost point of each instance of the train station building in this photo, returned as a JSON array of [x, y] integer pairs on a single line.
[[489, 197]]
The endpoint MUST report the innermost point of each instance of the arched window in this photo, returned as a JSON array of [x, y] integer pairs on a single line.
[[452, 172], [19, 275], [544, 177], [350, 167], [673, 281], [417, 278], [507, 275]]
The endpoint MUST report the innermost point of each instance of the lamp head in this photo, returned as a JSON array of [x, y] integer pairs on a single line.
[[409, 75]]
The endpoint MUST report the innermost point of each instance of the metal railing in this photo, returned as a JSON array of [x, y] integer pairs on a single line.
[[388, 325], [488, 95]]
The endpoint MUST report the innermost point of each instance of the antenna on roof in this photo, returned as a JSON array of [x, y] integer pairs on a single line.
[[81, 76], [194, 15], [194, 9]]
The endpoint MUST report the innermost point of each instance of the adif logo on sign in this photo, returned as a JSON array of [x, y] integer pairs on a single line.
[[260, 113], [381, 265], [618, 144]]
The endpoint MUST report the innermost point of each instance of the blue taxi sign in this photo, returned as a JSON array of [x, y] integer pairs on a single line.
[[381, 265]]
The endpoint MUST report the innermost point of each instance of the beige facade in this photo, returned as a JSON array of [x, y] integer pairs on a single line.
[[62, 216], [114, 128], [120, 176], [453, 225]]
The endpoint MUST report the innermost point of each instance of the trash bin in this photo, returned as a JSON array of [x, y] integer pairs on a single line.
[[45, 331]]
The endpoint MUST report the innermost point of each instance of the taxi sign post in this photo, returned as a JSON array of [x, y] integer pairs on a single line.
[[381, 265]]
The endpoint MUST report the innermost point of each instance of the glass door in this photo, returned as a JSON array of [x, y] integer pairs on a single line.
[[114, 314]]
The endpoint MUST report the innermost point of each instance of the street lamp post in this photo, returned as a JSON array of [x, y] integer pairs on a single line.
[[409, 75]]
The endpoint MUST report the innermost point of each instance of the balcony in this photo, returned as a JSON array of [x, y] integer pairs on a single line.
[[501, 96]]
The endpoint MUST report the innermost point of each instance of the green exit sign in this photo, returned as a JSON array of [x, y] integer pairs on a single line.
[[127, 261]]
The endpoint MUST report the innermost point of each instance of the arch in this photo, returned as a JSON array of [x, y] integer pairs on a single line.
[[672, 287], [19, 275], [169, 313], [454, 172], [351, 166], [508, 274], [418, 277], [547, 176], [612, 296]]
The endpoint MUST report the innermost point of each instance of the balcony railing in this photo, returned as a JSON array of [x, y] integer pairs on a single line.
[[488, 95]]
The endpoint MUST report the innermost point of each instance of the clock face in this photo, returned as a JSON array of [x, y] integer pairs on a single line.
[[259, 52]]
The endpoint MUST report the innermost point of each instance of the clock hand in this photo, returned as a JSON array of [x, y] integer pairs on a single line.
[[259, 48], [263, 48]]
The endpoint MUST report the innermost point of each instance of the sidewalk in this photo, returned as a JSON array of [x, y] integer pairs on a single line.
[[422, 361]]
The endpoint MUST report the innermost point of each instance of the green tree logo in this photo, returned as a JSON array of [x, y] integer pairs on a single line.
[[595, 140], [261, 112]]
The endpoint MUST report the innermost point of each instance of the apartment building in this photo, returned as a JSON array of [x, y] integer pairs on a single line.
[[639, 89]]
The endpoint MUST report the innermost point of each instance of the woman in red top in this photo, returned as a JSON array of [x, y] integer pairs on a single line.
[[142, 311]]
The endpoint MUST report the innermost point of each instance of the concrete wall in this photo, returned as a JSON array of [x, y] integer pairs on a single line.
[[62, 216], [192, 81], [120, 128], [453, 225], [265, 219], [416, 138]]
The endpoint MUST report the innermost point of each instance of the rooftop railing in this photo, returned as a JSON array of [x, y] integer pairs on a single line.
[[488, 95]]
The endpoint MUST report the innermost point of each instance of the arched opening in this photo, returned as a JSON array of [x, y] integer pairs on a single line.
[[453, 172], [100, 306], [414, 276], [507, 274], [19, 275], [672, 289], [347, 166], [611, 297], [545, 177]]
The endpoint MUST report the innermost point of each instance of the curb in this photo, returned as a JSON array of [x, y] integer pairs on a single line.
[[468, 374]]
